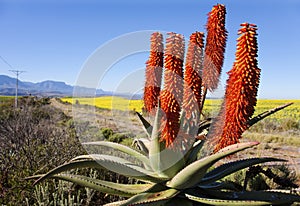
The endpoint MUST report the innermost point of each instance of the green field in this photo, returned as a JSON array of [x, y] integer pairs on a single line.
[[5, 98]]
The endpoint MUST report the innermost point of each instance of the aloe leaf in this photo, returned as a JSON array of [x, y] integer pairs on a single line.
[[294, 192], [193, 173], [236, 146], [155, 144], [126, 168], [258, 197], [115, 164], [164, 161], [33, 177], [101, 156], [205, 124], [171, 162], [282, 198], [265, 114], [221, 186], [117, 203], [177, 201], [192, 154], [70, 166], [142, 144], [122, 148], [229, 168], [157, 187], [148, 127], [125, 190], [210, 201], [149, 198], [85, 157]]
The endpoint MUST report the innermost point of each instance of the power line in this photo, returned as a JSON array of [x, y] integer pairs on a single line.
[[6, 62], [17, 73]]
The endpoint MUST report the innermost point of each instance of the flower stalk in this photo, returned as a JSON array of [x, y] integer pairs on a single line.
[[153, 73], [192, 77], [171, 95], [241, 90], [191, 105], [215, 47]]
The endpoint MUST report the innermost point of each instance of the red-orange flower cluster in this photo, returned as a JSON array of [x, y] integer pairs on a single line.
[[153, 73], [171, 95], [241, 90], [215, 47], [192, 79]]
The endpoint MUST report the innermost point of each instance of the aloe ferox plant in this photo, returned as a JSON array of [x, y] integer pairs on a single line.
[[169, 168]]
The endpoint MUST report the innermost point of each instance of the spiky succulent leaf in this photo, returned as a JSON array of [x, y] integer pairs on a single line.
[[204, 125], [211, 201], [125, 190], [192, 154], [152, 198], [142, 144], [147, 126], [86, 157], [33, 177], [117, 203], [193, 173], [126, 168], [247, 198], [265, 114], [172, 161], [155, 144], [69, 166], [164, 161], [177, 201], [138, 155], [115, 164], [231, 167], [276, 198], [221, 186]]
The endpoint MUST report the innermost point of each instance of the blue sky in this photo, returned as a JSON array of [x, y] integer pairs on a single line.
[[55, 39]]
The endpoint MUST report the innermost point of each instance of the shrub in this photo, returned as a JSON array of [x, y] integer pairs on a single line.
[[107, 132], [31, 139]]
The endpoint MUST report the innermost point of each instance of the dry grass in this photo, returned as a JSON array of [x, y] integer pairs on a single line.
[[279, 139]]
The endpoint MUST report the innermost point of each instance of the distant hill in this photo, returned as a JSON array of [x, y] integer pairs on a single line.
[[45, 88]]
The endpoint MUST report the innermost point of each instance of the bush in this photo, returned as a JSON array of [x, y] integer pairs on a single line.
[[107, 132], [32, 139], [117, 138], [263, 178], [36, 138]]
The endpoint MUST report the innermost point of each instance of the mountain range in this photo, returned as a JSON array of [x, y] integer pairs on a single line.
[[44, 88]]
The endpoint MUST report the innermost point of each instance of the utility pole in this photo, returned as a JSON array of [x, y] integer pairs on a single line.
[[17, 73]]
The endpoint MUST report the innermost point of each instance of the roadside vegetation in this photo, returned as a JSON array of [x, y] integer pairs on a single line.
[[37, 137]]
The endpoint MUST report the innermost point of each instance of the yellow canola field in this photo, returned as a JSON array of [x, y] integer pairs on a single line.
[[108, 102], [211, 106]]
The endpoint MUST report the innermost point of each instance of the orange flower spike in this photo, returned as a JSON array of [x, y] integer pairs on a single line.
[[192, 77], [171, 95], [153, 73], [215, 47], [242, 87]]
